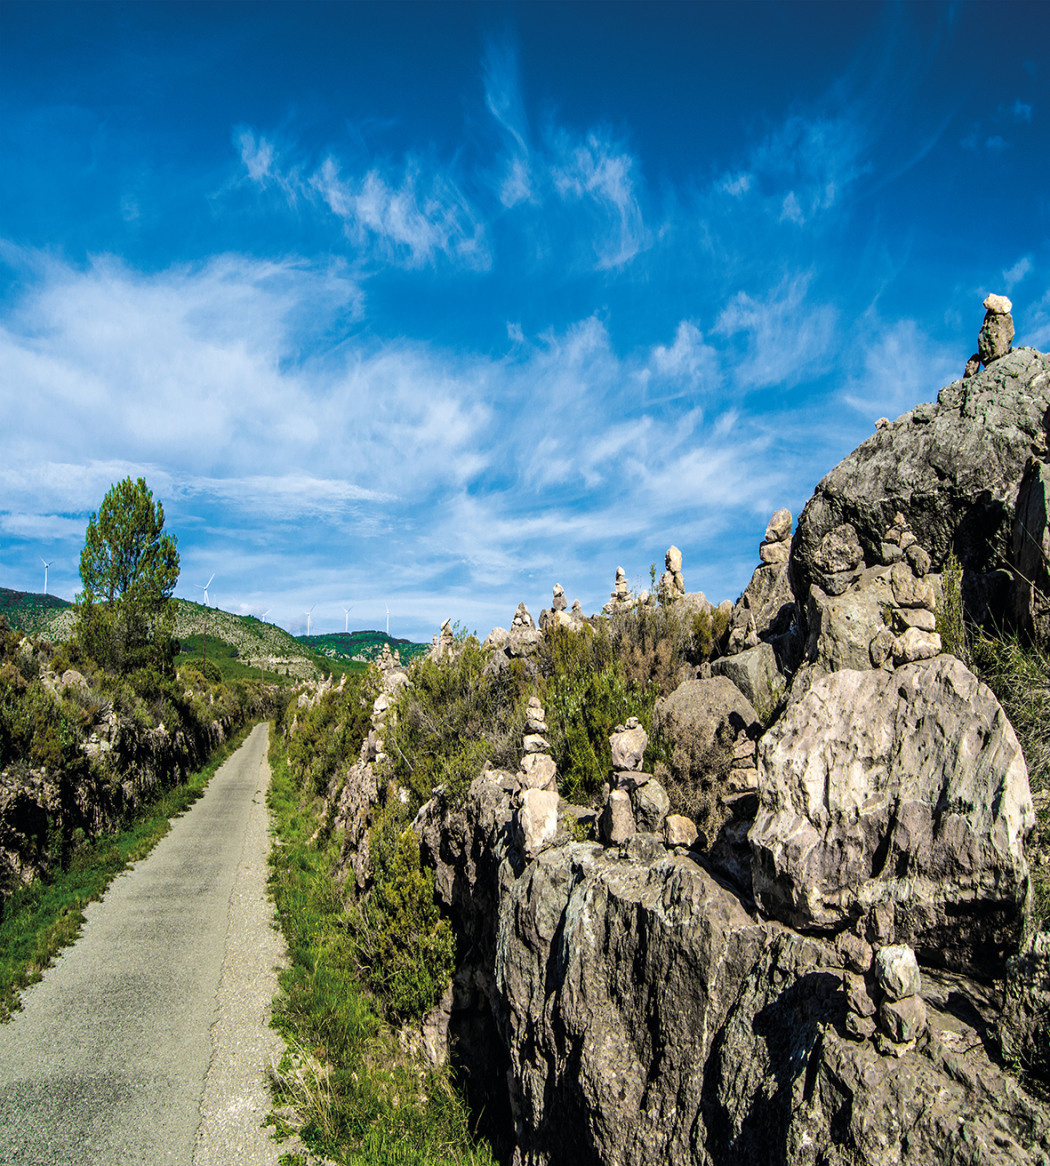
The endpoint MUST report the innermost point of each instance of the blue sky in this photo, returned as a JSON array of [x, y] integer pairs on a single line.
[[433, 306]]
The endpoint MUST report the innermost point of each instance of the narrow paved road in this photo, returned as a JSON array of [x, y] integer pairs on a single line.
[[147, 1041]]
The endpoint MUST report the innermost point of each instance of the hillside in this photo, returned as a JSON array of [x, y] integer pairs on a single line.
[[362, 646], [258, 645]]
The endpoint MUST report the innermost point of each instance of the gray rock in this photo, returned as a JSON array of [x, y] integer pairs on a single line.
[[1024, 1029], [902, 791], [897, 971], [535, 743], [858, 999], [778, 530], [774, 553], [952, 470], [754, 671], [903, 1020], [840, 551], [859, 1027], [536, 821], [1030, 552], [679, 830], [915, 644], [650, 804], [699, 718], [995, 337], [628, 748], [538, 771], [616, 822], [842, 627]]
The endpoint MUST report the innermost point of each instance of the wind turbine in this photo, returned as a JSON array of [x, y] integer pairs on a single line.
[[348, 610], [204, 587], [46, 565], [388, 622], [308, 614], [265, 614]]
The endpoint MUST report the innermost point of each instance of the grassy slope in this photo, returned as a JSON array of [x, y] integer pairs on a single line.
[[362, 645], [258, 644]]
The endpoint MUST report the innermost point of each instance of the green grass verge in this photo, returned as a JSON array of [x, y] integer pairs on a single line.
[[45, 917], [345, 1086]]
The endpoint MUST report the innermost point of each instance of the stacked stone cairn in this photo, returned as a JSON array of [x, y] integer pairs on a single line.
[[996, 335], [672, 583], [536, 820], [620, 598], [911, 633], [443, 645], [776, 546], [557, 616], [895, 1012], [392, 679], [634, 801]]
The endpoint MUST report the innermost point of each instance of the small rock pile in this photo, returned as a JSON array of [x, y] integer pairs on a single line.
[[911, 634], [996, 335], [672, 583], [620, 596], [443, 645], [557, 616], [536, 820], [895, 1013], [776, 546], [633, 800]]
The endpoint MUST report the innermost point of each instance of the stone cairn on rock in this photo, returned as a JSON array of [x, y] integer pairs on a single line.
[[634, 801], [392, 679], [996, 334], [775, 548], [620, 598], [672, 583], [911, 632], [443, 645], [895, 1013], [536, 785], [557, 614]]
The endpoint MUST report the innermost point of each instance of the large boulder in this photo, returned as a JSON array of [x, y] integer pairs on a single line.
[[952, 469], [700, 717], [899, 800]]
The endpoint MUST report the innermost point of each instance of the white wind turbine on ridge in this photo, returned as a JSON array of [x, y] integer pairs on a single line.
[[204, 587], [46, 565], [349, 609], [308, 614]]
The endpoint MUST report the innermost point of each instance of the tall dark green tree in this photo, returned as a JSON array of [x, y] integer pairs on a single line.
[[129, 568]]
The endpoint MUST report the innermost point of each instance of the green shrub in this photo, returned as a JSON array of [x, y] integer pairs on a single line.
[[950, 624], [406, 948], [452, 719]]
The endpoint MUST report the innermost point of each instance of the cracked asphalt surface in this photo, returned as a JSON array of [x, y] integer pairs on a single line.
[[147, 1042]]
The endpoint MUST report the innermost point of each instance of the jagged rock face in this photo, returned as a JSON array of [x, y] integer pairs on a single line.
[[952, 469], [622, 1006], [1031, 552], [901, 797]]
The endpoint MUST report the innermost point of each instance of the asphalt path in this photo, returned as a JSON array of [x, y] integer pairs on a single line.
[[147, 1042]]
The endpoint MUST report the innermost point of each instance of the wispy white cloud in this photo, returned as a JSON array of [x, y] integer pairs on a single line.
[[1012, 276], [898, 367], [785, 334]]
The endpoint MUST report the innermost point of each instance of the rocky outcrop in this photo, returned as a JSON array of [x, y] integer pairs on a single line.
[[1030, 552], [766, 610], [896, 803], [672, 582], [952, 470], [623, 1005]]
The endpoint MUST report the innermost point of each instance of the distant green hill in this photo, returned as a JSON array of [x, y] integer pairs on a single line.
[[361, 646], [256, 645], [30, 612]]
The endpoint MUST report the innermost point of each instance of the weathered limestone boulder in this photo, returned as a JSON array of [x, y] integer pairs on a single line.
[[679, 830], [628, 745], [524, 638], [1024, 1028], [623, 1006], [1030, 552], [766, 609], [997, 331], [616, 822], [536, 820], [353, 816], [702, 718], [897, 971], [650, 805], [902, 794], [755, 672], [952, 470], [538, 771], [842, 627]]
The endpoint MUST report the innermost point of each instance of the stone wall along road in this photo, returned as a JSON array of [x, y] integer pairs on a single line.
[[147, 1042]]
